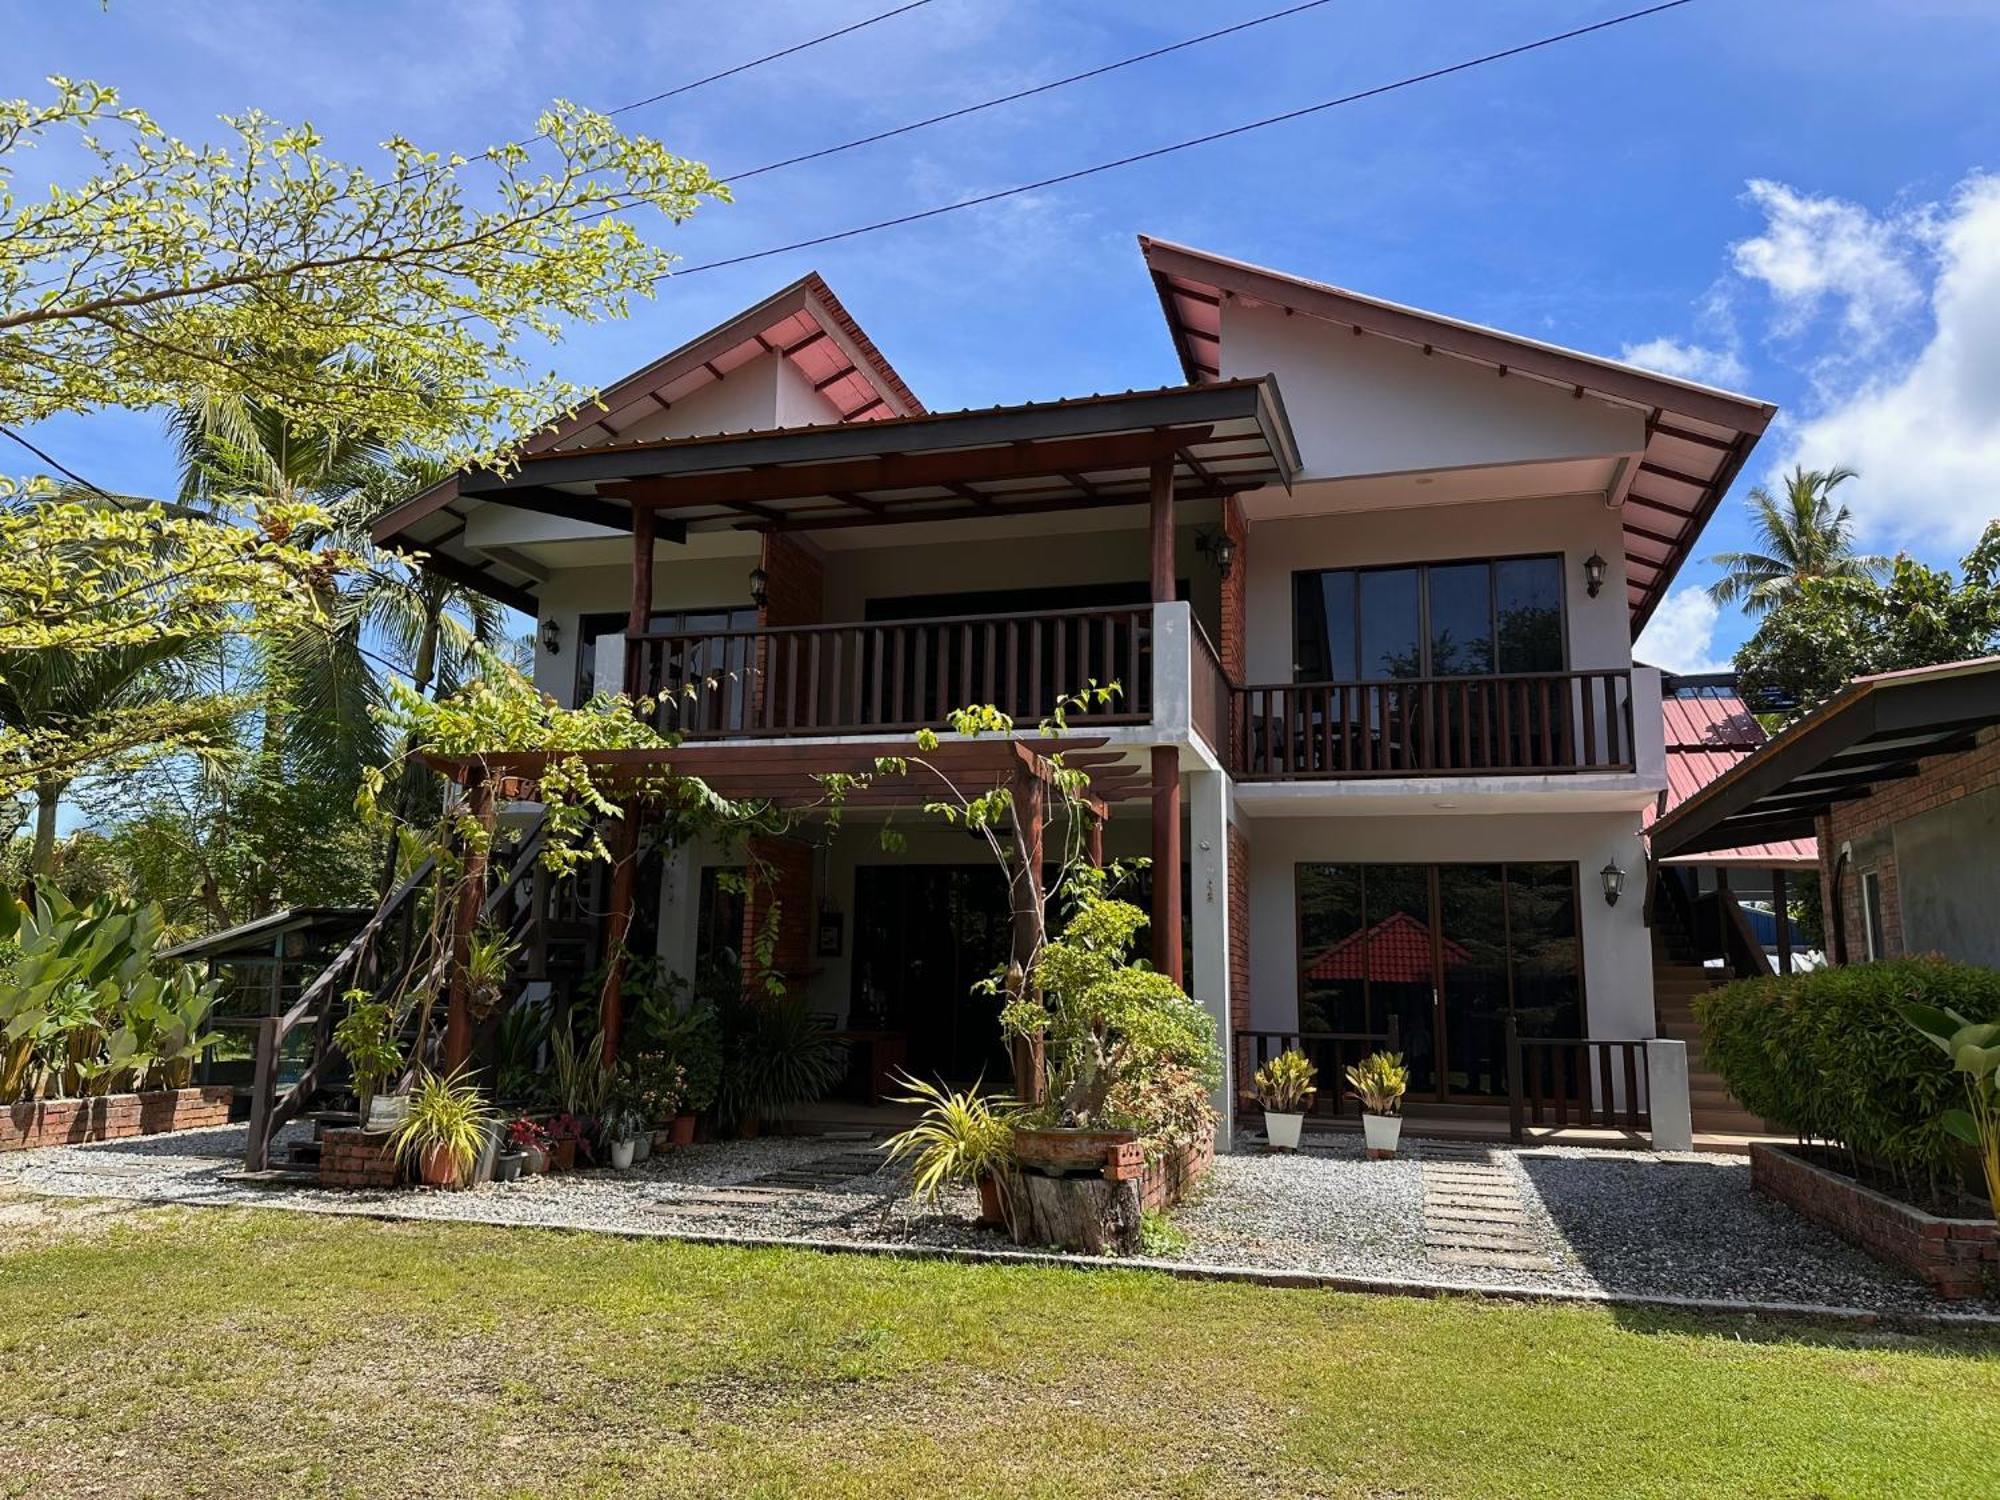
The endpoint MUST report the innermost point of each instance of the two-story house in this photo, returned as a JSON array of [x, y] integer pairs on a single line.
[[1368, 579]]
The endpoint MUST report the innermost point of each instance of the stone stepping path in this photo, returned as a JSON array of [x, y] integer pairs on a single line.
[[822, 1173], [1473, 1213]]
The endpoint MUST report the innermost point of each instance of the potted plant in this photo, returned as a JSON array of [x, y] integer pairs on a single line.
[[657, 1088], [526, 1136], [509, 1164], [366, 1037], [1379, 1081], [621, 1127], [962, 1139], [564, 1131], [488, 956], [445, 1130], [1284, 1088]]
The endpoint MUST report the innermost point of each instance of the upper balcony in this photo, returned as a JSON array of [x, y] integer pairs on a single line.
[[890, 677]]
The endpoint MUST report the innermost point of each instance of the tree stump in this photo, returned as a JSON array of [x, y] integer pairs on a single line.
[[1080, 1213]]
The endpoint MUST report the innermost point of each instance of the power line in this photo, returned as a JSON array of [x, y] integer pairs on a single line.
[[1200, 140], [70, 474], [1019, 94], [758, 62]]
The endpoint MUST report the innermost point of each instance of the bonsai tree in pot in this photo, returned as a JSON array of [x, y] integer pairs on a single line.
[[1284, 1088], [445, 1130], [366, 1036], [962, 1140], [1379, 1081]]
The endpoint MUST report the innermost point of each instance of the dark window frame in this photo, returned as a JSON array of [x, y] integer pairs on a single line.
[[1422, 568]]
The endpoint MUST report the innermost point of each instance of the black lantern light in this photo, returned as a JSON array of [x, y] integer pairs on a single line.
[[760, 587], [552, 636], [1614, 883], [1593, 574], [1219, 546]]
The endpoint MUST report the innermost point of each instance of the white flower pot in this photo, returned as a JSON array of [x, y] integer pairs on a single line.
[[1283, 1130], [621, 1154], [1381, 1133]]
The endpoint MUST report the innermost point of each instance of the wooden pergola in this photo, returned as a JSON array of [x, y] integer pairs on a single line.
[[792, 776]]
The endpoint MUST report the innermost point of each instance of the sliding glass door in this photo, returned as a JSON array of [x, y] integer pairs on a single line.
[[1450, 951]]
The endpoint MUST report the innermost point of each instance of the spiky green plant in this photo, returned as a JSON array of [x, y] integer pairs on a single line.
[[1379, 1081], [447, 1114], [960, 1138], [1285, 1082]]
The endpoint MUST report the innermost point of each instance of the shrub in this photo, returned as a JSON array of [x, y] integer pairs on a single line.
[[1285, 1083], [1829, 1056]]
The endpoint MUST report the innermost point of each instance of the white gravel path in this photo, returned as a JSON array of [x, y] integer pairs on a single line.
[[1622, 1222]]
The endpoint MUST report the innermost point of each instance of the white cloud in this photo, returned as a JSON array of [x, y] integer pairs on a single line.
[[1818, 248], [1687, 361], [1681, 635], [1925, 434]]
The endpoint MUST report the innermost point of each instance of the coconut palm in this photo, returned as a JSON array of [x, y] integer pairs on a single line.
[[1803, 535]]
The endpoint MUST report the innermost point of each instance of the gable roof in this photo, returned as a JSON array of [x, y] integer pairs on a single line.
[[804, 323], [1709, 731], [1697, 436]]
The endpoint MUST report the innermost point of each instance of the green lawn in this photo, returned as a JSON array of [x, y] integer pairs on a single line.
[[258, 1353]]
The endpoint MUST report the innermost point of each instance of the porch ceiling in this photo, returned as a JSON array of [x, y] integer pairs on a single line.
[[1083, 453], [786, 775]]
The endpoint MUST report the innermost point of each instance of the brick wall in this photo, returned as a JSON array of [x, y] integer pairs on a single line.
[[1957, 1257], [1869, 822], [1235, 593], [356, 1159], [70, 1122], [779, 870], [794, 581], [1239, 934]]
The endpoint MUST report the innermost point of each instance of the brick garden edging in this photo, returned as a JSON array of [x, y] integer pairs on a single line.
[[72, 1122], [350, 1157], [1958, 1258]]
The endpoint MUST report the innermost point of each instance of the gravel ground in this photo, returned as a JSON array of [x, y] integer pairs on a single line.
[[1615, 1221]]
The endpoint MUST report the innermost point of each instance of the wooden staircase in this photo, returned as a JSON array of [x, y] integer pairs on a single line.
[[1678, 979]]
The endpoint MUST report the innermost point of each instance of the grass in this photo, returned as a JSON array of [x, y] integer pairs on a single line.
[[238, 1353]]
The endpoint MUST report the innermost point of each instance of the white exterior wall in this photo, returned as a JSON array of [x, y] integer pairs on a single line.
[[1617, 946]]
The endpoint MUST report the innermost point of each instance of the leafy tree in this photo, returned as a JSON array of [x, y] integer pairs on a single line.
[[308, 317], [1829, 631], [143, 284], [1803, 536]]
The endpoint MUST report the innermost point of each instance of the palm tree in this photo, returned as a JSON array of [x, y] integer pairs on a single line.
[[1804, 535]]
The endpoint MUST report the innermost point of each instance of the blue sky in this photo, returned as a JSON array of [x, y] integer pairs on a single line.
[[1785, 197]]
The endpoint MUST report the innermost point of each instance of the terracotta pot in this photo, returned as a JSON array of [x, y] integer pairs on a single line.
[[562, 1156], [436, 1167], [1057, 1153], [748, 1130], [682, 1132], [992, 1211]]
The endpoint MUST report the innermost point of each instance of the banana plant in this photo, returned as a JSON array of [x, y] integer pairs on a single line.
[[1974, 1050]]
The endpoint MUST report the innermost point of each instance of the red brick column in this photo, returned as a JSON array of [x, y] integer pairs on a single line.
[[794, 594], [1239, 933], [1235, 593], [780, 874]]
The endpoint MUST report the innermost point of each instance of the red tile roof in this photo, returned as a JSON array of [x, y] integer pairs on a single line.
[[1396, 950], [1706, 736]]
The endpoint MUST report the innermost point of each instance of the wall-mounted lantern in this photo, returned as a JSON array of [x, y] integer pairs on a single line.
[[1614, 883], [760, 587], [1219, 547], [1593, 574], [552, 636]]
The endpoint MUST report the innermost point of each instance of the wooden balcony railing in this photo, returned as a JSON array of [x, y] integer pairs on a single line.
[[1591, 1082], [894, 675], [1531, 722], [1208, 693]]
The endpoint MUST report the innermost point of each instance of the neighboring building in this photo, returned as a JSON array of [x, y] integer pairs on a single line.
[[1369, 579], [1898, 777]]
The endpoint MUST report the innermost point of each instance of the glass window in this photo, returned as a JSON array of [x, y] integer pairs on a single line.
[[1445, 619], [1461, 618], [1529, 612], [1392, 634]]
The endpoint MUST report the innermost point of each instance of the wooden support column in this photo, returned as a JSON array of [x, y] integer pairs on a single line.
[[1162, 529], [465, 920], [617, 925], [1167, 862], [1781, 912], [640, 617], [1096, 837]]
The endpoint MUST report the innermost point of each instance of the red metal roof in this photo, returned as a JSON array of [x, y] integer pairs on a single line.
[[1708, 734], [1396, 950]]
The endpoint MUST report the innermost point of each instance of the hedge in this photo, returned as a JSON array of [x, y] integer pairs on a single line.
[[1825, 1054]]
